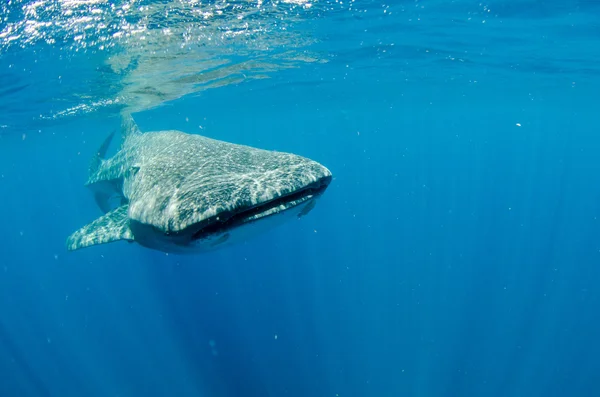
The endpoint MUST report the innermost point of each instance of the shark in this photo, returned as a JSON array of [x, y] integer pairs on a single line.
[[185, 193]]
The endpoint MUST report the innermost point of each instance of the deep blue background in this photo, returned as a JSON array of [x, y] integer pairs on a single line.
[[456, 253]]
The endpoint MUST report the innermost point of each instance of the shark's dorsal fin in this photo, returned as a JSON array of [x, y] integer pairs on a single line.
[[100, 154], [128, 127], [113, 226]]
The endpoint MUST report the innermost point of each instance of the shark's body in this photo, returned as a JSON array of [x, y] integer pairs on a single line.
[[181, 192]]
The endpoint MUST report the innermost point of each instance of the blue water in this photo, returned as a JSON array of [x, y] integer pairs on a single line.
[[456, 252]]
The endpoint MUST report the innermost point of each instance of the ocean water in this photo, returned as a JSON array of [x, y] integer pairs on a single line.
[[455, 253]]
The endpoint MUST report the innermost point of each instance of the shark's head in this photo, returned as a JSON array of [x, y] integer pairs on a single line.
[[272, 198], [234, 192]]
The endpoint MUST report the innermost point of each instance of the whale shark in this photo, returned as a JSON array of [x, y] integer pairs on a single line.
[[177, 192]]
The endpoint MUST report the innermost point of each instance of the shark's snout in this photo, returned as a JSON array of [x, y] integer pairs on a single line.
[[273, 192], [304, 174]]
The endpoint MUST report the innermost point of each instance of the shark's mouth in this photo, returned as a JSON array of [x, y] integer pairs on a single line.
[[223, 223]]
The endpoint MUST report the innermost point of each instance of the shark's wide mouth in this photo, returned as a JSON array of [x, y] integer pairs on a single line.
[[222, 223]]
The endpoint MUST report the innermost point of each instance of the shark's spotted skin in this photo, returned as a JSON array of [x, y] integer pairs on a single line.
[[180, 189]]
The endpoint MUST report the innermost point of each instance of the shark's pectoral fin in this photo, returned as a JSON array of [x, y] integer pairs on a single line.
[[111, 227]]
